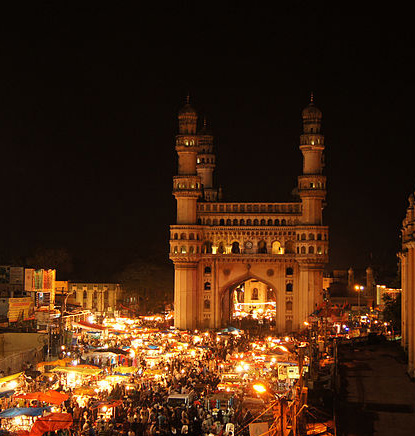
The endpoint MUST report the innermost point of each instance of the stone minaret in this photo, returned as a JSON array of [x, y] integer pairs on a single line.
[[206, 163], [312, 183], [186, 189], [187, 185]]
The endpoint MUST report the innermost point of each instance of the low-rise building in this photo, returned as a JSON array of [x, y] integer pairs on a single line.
[[97, 297]]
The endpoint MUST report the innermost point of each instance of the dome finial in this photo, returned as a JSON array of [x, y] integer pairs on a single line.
[[204, 122], [312, 97]]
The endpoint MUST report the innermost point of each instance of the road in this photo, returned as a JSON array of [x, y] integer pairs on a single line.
[[376, 396]]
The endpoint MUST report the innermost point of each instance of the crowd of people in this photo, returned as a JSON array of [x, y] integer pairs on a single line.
[[142, 406]]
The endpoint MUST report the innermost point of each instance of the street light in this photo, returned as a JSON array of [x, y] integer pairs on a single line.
[[359, 289]]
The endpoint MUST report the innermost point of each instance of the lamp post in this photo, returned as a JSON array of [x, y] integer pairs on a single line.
[[260, 388], [359, 289], [63, 310]]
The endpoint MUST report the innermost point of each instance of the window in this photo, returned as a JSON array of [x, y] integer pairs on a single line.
[[289, 287], [303, 250], [270, 222], [183, 236], [289, 271], [235, 222], [311, 237], [249, 222], [254, 294], [242, 222], [221, 248], [262, 222], [208, 270], [176, 236], [85, 295], [235, 248], [206, 304], [183, 250], [207, 247], [191, 236], [311, 250], [262, 247], [207, 286], [319, 250], [276, 247], [276, 222], [283, 222], [289, 306], [256, 222], [228, 222], [318, 236], [222, 222], [303, 237], [191, 249]]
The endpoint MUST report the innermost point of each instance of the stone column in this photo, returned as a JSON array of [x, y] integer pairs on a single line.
[[410, 300], [185, 296]]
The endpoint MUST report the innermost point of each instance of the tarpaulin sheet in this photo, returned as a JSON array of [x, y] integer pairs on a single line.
[[76, 370], [27, 411], [89, 326], [59, 362], [52, 397], [10, 377], [108, 404], [125, 369], [52, 422]]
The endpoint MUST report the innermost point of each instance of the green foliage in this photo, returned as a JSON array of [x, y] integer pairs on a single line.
[[392, 311], [151, 280]]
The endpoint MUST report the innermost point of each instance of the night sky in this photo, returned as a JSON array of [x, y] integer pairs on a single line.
[[88, 112]]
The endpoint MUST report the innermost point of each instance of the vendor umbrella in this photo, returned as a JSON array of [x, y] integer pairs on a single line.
[[52, 397], [52, 422]]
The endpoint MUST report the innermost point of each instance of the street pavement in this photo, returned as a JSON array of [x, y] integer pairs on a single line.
[[376, 395]]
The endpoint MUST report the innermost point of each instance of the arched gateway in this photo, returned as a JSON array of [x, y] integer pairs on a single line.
[[217, 246]]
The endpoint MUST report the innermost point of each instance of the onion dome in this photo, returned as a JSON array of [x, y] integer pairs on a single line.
[[187, 109], [311, 112]]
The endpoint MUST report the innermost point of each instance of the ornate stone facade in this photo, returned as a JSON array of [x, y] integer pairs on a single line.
[[215, 246], [407, 257]]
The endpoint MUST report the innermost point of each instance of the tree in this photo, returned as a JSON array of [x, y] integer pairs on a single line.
[[52, 258], [392, 311], [151, 280]]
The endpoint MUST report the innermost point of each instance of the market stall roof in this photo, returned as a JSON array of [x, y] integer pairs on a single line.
[[59, 362], [85, 390], [75, 369], [52, 397], [10, 377], [89, 326], [52, 422], [112, 350], [27, 411], [108, 404], [125, 369]]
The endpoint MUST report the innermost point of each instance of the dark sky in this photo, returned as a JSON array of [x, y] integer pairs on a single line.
[[88, 103]]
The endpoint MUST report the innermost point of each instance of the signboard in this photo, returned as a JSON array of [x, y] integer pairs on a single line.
[[12, 275], [258, 428], [20, 309]]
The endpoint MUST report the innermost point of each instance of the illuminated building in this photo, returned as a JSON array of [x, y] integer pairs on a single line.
[[407, 258], [216, 246], [98, 297]]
